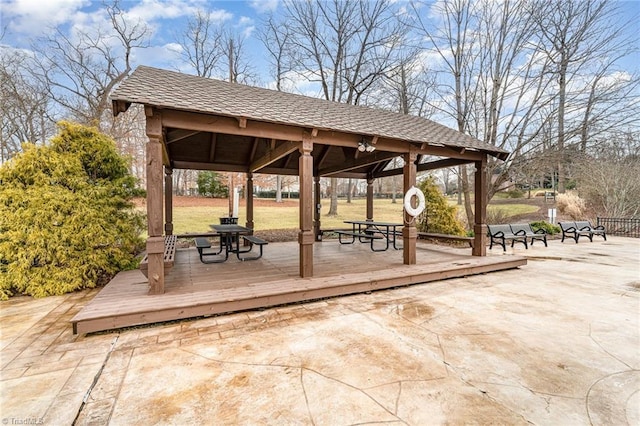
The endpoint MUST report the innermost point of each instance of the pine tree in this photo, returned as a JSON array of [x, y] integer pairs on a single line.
[[67, 221]]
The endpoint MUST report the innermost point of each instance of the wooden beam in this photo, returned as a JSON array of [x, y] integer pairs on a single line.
[[119, 106], [480, 216], [306, 236], [432, 165], [212, 148], [373, 158], [285, 148], [177, 135], [351, 175], [323, 156], [254, 147], [168, 201], [218, 167], [242, 122], [449, 152], [229, 125], [409, 232], [155, 240]]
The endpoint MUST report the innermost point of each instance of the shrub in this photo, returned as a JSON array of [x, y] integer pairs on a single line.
[[515, 193], [549, 228], [569, 204], [438, 216], [496, 216], [66, 217]]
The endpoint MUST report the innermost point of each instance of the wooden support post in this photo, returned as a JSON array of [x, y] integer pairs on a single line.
[[409, 232], [480, 225], [316, 208], [369, 198], [155, 241], [168, 201], [305, 236], [249, 196]]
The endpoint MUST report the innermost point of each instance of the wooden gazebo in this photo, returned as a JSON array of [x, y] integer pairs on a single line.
[[205, 124]]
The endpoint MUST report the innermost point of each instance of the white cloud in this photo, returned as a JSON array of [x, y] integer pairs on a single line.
[[164, 56], [31, 17], [150, 10], [220, 15], [262, 6]]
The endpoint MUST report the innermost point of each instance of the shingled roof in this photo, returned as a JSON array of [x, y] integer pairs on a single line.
[[169, 89]]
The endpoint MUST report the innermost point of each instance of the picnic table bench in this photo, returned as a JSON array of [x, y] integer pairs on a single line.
[[203, 245], [369, 230], [169, 255]]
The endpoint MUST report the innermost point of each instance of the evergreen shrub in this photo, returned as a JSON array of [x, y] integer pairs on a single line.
[[67, 220], [438, 216], [549, 228]]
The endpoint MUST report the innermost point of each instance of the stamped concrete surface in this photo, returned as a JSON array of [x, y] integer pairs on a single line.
[[554, 342]]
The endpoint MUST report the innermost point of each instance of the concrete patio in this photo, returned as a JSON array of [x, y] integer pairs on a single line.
[[554, 342]]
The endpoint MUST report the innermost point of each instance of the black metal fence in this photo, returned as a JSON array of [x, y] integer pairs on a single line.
[[622, 227]]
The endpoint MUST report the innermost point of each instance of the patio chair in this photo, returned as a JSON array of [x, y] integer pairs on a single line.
[[499, 234], [528, 232], [570, 229], [585, 225]]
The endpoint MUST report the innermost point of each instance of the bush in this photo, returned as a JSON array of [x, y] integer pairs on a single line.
[[569, 204], [515, 193], [438, 216], [66, 217], [549, 228], [496, 216]]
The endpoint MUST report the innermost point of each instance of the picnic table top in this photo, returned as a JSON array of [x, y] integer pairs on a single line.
[[372, 222]]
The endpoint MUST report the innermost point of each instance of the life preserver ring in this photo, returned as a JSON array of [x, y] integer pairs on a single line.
[[411, 211]]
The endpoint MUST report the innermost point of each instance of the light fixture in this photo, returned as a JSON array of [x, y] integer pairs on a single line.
[[363, 146]]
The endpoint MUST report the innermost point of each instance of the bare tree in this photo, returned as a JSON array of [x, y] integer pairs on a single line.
[[236, 58], [80, 70], [276, 37], [609, 178], [575, 33], [202, 44], [492, 83], [346, 47], [25, 105]]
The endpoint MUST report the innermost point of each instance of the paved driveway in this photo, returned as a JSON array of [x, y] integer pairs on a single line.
[[555, 342]]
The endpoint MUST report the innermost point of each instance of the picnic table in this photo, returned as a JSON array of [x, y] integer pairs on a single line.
[[368, 230], [230, 242]]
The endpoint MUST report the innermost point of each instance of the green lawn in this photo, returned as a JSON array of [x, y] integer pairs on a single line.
[[513, 209], [198, 219]]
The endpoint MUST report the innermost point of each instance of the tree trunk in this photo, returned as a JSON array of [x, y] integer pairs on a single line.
[[333, 206], [467, 195], [278, 189]]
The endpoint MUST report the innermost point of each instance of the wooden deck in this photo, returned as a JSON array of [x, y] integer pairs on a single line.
[[194, 289]]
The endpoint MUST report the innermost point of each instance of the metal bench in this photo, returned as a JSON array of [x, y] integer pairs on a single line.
[[499, 234], [579, 228], [169, 256], [528, 232]]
